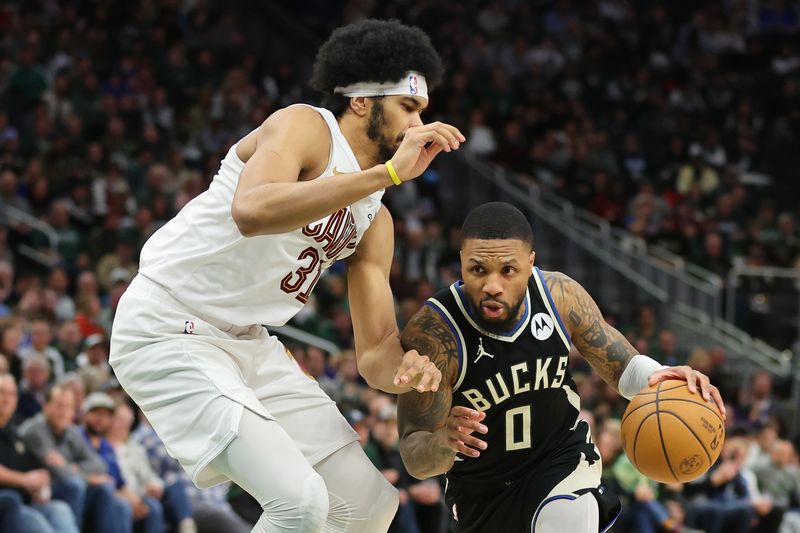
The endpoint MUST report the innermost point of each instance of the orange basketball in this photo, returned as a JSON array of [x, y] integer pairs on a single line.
[[670, 434]]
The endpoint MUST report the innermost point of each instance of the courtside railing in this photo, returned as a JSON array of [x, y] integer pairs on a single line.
[[17, 216], [621, 270]]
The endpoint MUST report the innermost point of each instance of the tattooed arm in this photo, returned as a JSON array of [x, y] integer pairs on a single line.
[[430, 432], [606, 349]]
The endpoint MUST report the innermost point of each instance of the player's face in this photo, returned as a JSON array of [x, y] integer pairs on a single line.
[[389, 119], [495, 274]]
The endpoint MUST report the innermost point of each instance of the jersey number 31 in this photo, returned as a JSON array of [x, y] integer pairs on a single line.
[[294, 281]]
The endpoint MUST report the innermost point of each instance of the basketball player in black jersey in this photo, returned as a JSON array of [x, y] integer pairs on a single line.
[[503, 424]]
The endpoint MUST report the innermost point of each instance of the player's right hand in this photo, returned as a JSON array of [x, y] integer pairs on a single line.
[[418, 372], [421, 144], [460, 426]]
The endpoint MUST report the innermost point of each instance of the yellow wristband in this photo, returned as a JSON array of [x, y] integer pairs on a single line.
[[393, 173]]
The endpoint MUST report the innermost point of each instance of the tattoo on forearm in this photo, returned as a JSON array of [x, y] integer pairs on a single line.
[[426, 412], [619, 352], [603, 346], [595, 335]]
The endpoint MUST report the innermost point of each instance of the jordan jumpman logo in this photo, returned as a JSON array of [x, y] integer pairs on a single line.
[[481, 351]]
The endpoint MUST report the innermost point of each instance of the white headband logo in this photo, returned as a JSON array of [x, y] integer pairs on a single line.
[[412, 84]]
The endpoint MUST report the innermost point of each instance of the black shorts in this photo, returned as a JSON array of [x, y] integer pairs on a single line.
[[511, 510]]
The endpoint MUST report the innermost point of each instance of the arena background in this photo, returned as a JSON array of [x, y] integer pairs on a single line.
[[655, 147]]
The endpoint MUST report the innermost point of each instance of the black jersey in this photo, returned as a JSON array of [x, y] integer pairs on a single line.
[[521, 380]]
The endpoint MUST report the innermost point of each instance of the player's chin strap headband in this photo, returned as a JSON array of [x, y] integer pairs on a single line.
[[412, 84]]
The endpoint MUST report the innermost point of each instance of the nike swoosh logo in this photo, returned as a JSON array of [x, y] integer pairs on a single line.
[[337, 172]]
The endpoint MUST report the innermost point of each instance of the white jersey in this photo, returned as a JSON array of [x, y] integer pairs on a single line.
[[204, 262]]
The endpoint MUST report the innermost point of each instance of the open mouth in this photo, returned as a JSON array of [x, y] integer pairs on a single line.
[[492, 309]]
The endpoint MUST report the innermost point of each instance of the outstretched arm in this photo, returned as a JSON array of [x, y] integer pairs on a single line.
[[381, 359], [605, 348], [270, 196], [431, 433], [608, 351]]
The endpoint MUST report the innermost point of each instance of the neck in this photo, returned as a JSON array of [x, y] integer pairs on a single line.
[[363, 148]]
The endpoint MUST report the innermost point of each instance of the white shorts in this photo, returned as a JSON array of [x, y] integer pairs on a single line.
[[192, 375]]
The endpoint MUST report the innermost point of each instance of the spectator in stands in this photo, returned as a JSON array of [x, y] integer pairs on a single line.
[[385, 455], [347, 387], [41, 336], [34, 386], [646, 514], [98, 416], [779, 479], [58, 282], [140, 477], [666, 350], [69, 344], [89, 308], [761, 404], [697, 175], [725, 498], [210, 508], [78, 474], [24, 477], [10, 340], [93, 367]]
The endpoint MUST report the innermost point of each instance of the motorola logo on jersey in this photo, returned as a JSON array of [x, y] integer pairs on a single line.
[[542, 326]]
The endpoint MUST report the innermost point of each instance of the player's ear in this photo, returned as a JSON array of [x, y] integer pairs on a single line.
[[533, 259], [359, 105]]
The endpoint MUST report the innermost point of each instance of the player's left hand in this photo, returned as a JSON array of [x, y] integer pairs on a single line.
[[418, 372], [692, 378]]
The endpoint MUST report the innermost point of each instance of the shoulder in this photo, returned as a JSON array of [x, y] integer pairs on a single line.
[[427, 326], [429, 334], [296, 130], [32, 425], [560, 285], [296, 120]]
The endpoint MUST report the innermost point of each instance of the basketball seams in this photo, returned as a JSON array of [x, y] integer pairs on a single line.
[[677, 410], [661, 436], [699, 440], [697, 404], [650, 402], [636, 437]]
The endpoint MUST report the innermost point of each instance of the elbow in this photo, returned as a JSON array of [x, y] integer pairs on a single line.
[[246, 220], [368, 371], [413, 469]]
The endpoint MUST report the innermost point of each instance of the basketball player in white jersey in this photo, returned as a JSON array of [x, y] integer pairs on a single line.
[[300, 192]]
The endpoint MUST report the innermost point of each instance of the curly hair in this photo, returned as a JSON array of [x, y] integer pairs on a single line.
[[372, 50]]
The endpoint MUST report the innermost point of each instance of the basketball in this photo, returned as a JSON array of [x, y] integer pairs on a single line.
[[671, 435]]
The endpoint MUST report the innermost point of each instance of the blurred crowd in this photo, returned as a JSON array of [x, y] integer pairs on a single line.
[[113, 115], [670, 119]]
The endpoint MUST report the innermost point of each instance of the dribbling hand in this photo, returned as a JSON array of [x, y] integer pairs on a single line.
[[418, 372], [693, 379], [421, 144], [458, 430]]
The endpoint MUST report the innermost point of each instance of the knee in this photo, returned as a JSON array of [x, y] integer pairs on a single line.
[[74, 486], [567, 513], [303, 508], [313, 503]]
